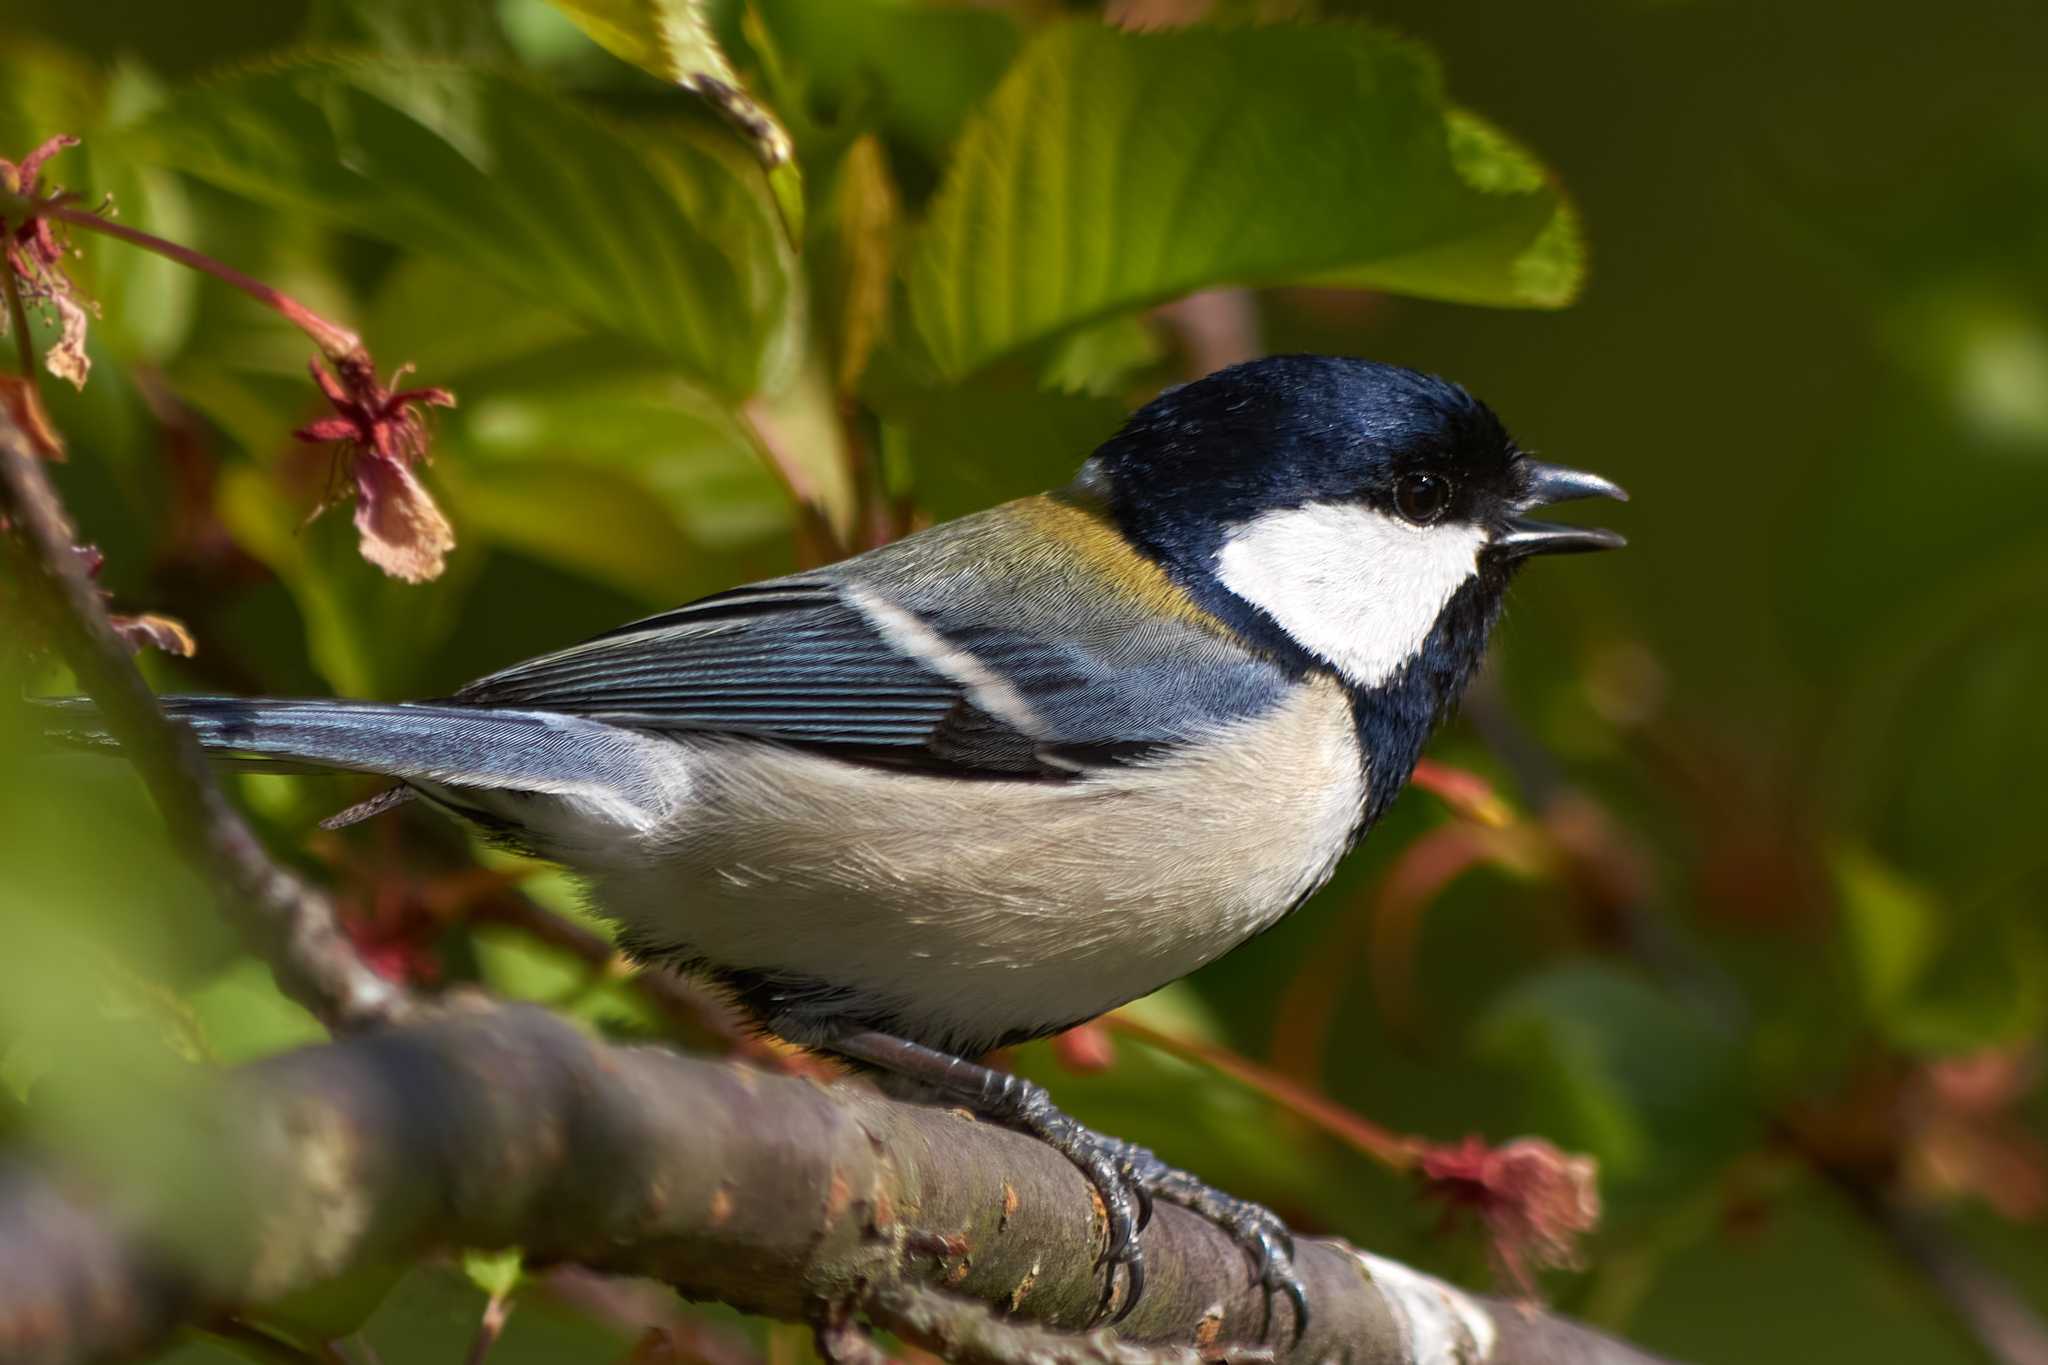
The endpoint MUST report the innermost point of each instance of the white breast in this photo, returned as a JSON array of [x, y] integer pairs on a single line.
[[991, 908], [1359, 588]]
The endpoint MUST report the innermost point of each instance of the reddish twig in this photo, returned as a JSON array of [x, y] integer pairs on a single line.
[[336, 342], [1390, 1149]]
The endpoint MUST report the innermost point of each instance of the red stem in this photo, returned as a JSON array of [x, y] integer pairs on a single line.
[[335, 342], [1354, 1130]]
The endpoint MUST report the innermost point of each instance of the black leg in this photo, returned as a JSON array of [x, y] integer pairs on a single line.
[[1127, 1177]]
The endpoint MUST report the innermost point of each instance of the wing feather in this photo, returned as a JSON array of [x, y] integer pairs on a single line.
[[1016, 594], [792, 661]]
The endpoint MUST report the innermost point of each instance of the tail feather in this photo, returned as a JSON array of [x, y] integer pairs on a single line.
[[453, 746]]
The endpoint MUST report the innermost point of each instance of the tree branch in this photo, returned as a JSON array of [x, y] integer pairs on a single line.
[[286, 922], [1986, 1306], [483, 1126]]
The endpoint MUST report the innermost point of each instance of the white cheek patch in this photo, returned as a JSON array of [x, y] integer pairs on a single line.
[[1358, 588]]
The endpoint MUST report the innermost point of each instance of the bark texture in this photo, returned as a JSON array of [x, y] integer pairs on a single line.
[[483, 1125]]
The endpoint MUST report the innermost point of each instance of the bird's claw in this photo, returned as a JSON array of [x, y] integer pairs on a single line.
[[1266, 1240], [1131, 1181], [1128, 1179], [1273, 1266]]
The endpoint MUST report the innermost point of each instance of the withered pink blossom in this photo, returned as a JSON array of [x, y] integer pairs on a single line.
[[399, 527], [32, 254], [153, 630], [1535, 1201]]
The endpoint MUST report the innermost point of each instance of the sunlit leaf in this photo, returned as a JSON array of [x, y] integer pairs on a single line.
[[857, 269], [1112, 169], [672, 40], [590, 521], [1101, 359], [442, 28], [1890, 928], [496, 1273], [660, 235], [689, 458]]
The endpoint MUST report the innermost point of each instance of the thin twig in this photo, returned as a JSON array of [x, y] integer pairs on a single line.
[[488, 1329], [335, 341], [287, 923], [1383, 1145], [1983, 1304], [17, 315]]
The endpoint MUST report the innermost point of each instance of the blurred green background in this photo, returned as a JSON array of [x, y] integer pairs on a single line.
[[1763, 928]]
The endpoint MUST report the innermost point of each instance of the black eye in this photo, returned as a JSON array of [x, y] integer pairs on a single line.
[[1422, 498]]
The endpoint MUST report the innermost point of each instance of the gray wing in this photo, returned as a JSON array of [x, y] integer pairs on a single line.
[[790, 660], [812, 661], [797, 663]]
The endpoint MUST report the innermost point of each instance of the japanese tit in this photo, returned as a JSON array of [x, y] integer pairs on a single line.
[[1009, 773]]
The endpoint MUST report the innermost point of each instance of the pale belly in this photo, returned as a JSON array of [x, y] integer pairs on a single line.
[[960, 911]]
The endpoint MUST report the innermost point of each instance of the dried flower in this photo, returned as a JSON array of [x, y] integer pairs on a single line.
[[32, 254], [145, 630], [152, 630], [1536, 1201], [402, 532]]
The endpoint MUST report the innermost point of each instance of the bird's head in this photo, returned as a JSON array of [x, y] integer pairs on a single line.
[[1366, 515]]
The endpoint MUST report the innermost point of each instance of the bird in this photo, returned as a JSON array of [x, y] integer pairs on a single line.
[[1001, 776]]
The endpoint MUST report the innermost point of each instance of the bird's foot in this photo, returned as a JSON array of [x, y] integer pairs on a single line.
[[1127, 1178], [1253, 1227]]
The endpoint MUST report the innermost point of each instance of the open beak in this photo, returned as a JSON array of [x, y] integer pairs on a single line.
[[1546, 484]]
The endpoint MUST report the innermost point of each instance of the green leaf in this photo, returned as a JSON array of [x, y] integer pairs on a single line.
[[1889, 926], [1113, 169], [1990, 989], [656, 234], [1102, 358], [1933, 980], [244, 1016], [333, 1308], [853, 264], [671, 40], [684, 456], [440, 28], [911, 70], [496, 1273], [368, 635], [588, 521], [970, 446], [1615, 1067]]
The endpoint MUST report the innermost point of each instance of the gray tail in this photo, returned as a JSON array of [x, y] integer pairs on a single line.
[[452, 746]]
